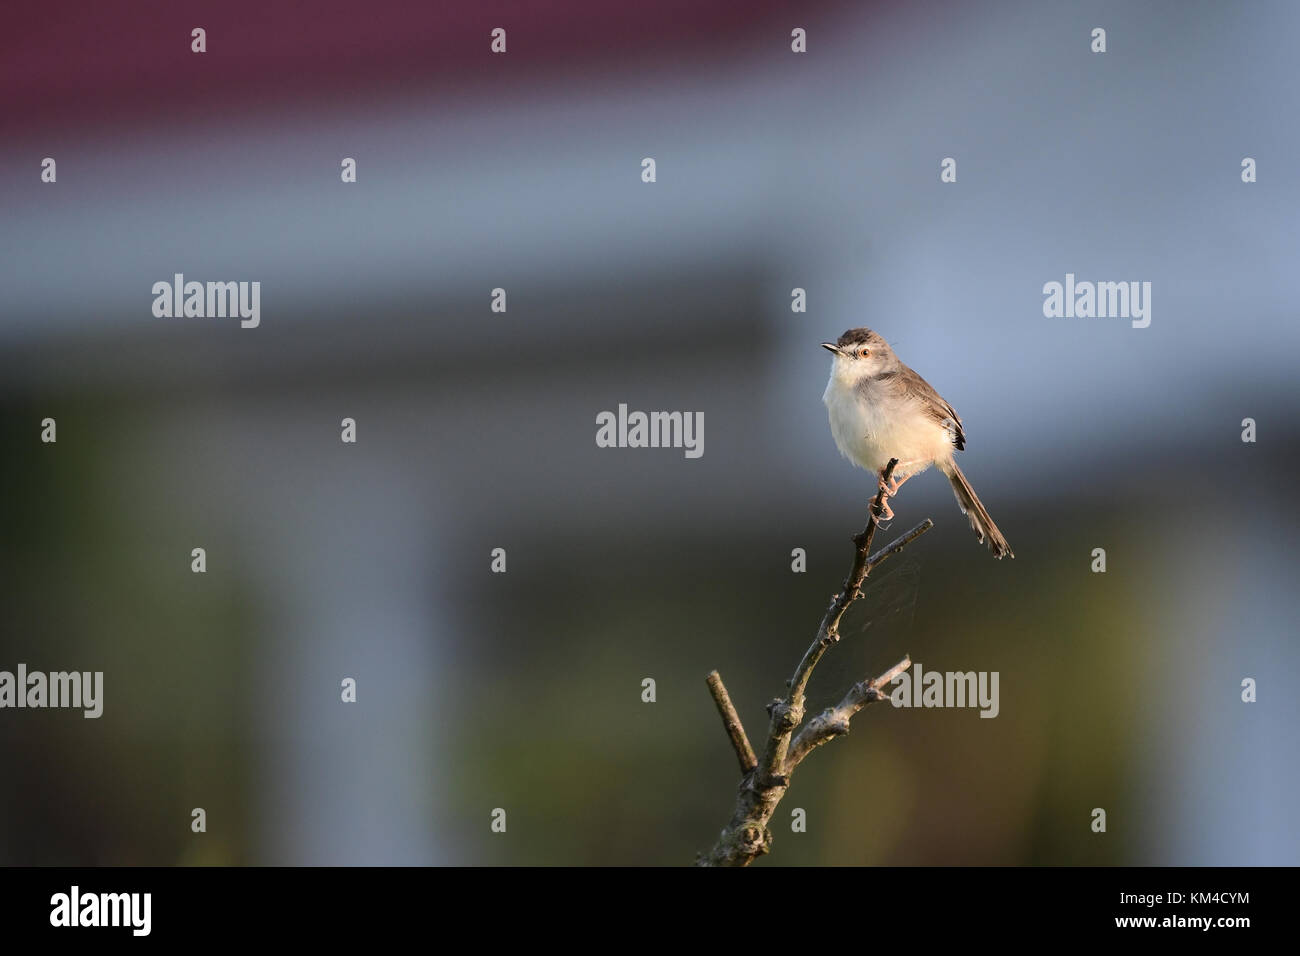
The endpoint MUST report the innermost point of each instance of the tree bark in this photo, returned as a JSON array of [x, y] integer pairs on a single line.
[[765, 779]]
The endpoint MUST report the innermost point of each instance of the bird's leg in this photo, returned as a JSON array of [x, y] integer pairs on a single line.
[[890, 488], [887, 488], [898, 482]]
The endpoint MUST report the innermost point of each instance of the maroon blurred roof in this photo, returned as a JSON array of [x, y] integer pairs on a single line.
[[116, 63]]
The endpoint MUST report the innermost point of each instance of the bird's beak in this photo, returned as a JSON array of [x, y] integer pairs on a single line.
[[832, 347]]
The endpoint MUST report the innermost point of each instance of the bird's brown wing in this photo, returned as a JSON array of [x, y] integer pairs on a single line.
[[918, 390]]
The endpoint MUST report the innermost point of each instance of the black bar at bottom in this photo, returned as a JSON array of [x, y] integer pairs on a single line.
[[304, 905]]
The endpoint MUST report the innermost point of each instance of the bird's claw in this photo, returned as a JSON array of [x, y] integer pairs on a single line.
[[887, 489]]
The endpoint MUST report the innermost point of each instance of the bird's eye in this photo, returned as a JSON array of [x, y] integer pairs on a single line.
[[863, 353]]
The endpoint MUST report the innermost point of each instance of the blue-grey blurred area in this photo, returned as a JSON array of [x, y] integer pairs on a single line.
[[476, 430]]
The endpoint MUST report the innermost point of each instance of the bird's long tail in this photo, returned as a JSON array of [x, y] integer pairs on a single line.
[[974, 509]]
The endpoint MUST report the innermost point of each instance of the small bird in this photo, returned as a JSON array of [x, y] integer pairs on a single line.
[[881, 409]]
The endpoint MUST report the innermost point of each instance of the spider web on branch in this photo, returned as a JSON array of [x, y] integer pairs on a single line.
[[873, 635]]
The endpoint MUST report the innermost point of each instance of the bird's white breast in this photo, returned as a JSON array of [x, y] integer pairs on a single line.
[[871, 429]]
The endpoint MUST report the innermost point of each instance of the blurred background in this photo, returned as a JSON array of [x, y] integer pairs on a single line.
[[476, 429]]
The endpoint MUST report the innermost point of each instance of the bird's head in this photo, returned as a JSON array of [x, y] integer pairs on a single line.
[[859, 354]]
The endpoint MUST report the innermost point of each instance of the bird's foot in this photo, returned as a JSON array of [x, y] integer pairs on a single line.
[[887, 488], [895, 482]]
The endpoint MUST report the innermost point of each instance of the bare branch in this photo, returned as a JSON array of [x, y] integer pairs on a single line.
[[898, 544], [834, 721], [827, 632], [747, 836], [731, 721]]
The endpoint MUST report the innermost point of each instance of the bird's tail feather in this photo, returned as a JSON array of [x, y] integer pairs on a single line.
[[974, 509]]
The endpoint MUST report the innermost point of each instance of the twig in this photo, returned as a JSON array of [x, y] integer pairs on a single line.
[[747, 836], [898, 544], [834, 721], [731, 721]]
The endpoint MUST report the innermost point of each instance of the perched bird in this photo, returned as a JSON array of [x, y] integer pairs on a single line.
[[881, 409]]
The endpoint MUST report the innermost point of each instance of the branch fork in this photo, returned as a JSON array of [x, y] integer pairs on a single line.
[[765, 779]]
